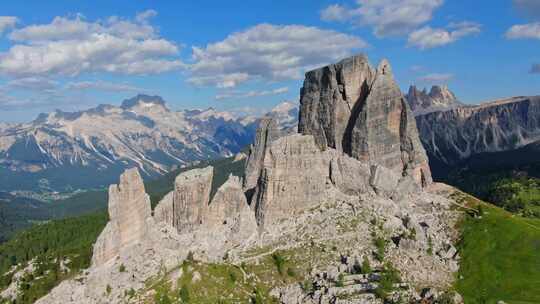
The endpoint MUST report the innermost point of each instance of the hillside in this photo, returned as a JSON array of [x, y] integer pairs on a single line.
[[499, 255]]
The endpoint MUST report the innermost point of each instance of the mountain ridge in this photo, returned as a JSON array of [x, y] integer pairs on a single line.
[[103, 140]]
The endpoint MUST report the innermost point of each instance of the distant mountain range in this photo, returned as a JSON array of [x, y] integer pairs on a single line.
[[456, 134], [63, 151]]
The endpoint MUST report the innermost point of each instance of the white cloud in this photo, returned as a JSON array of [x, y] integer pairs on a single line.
[[269, 52], [7, 22], [103, 86], [437, 78], [387, 17], [427, 37], [143, 17], [535, 68], [249, 94], [524, 31], [32, 83], [337, 12], [220, 81], [71, 46]]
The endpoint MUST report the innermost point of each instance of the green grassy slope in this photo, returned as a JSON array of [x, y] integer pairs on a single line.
[[500, 256]]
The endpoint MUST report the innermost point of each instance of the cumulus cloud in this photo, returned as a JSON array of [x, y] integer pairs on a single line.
[[428, 37], [437, 78], [387, 17], [7, 22], [249, 94], [103, 86], [72, 45], [535, 68], [269, 52], [524, 31]]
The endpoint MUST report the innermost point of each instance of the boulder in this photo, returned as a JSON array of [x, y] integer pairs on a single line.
[[190, 198]]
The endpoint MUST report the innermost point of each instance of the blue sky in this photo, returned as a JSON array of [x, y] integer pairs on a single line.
[[251, 55]]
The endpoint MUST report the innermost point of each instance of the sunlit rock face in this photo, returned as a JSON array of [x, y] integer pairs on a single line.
[[130, 217], [191, 197], [361, 111]]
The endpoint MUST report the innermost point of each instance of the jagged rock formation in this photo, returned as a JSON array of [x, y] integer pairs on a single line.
[[191, 197], [266, 133], [361, 111], [297, 175], [130, 217], [331, 99], [502, 125], [439, 98], [229, 208]]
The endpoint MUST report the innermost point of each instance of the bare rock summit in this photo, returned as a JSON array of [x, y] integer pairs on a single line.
[[361, 111]]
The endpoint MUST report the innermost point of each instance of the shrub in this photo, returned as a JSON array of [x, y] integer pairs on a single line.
[[389, 277], [122, 268], [366, 267], [291, 272], [339, 281], [184, 294], [279, 261], [380, 245]]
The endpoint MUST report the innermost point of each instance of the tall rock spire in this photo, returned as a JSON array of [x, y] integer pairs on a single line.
[[129, 214], [353, 108]]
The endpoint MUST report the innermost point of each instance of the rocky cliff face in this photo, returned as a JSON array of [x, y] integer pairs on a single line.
[[361, 111], [266, 133], [296, 175], [229, 210], [331, 99], [453, 135], [191, 197], [130, 217], [439, 98]]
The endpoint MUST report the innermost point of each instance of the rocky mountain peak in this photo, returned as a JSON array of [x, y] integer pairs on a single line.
[[439, 98], [361, 111]]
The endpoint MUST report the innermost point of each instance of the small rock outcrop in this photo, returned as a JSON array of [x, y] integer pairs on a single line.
[[190, 198], [130, 217], [361, 111]]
